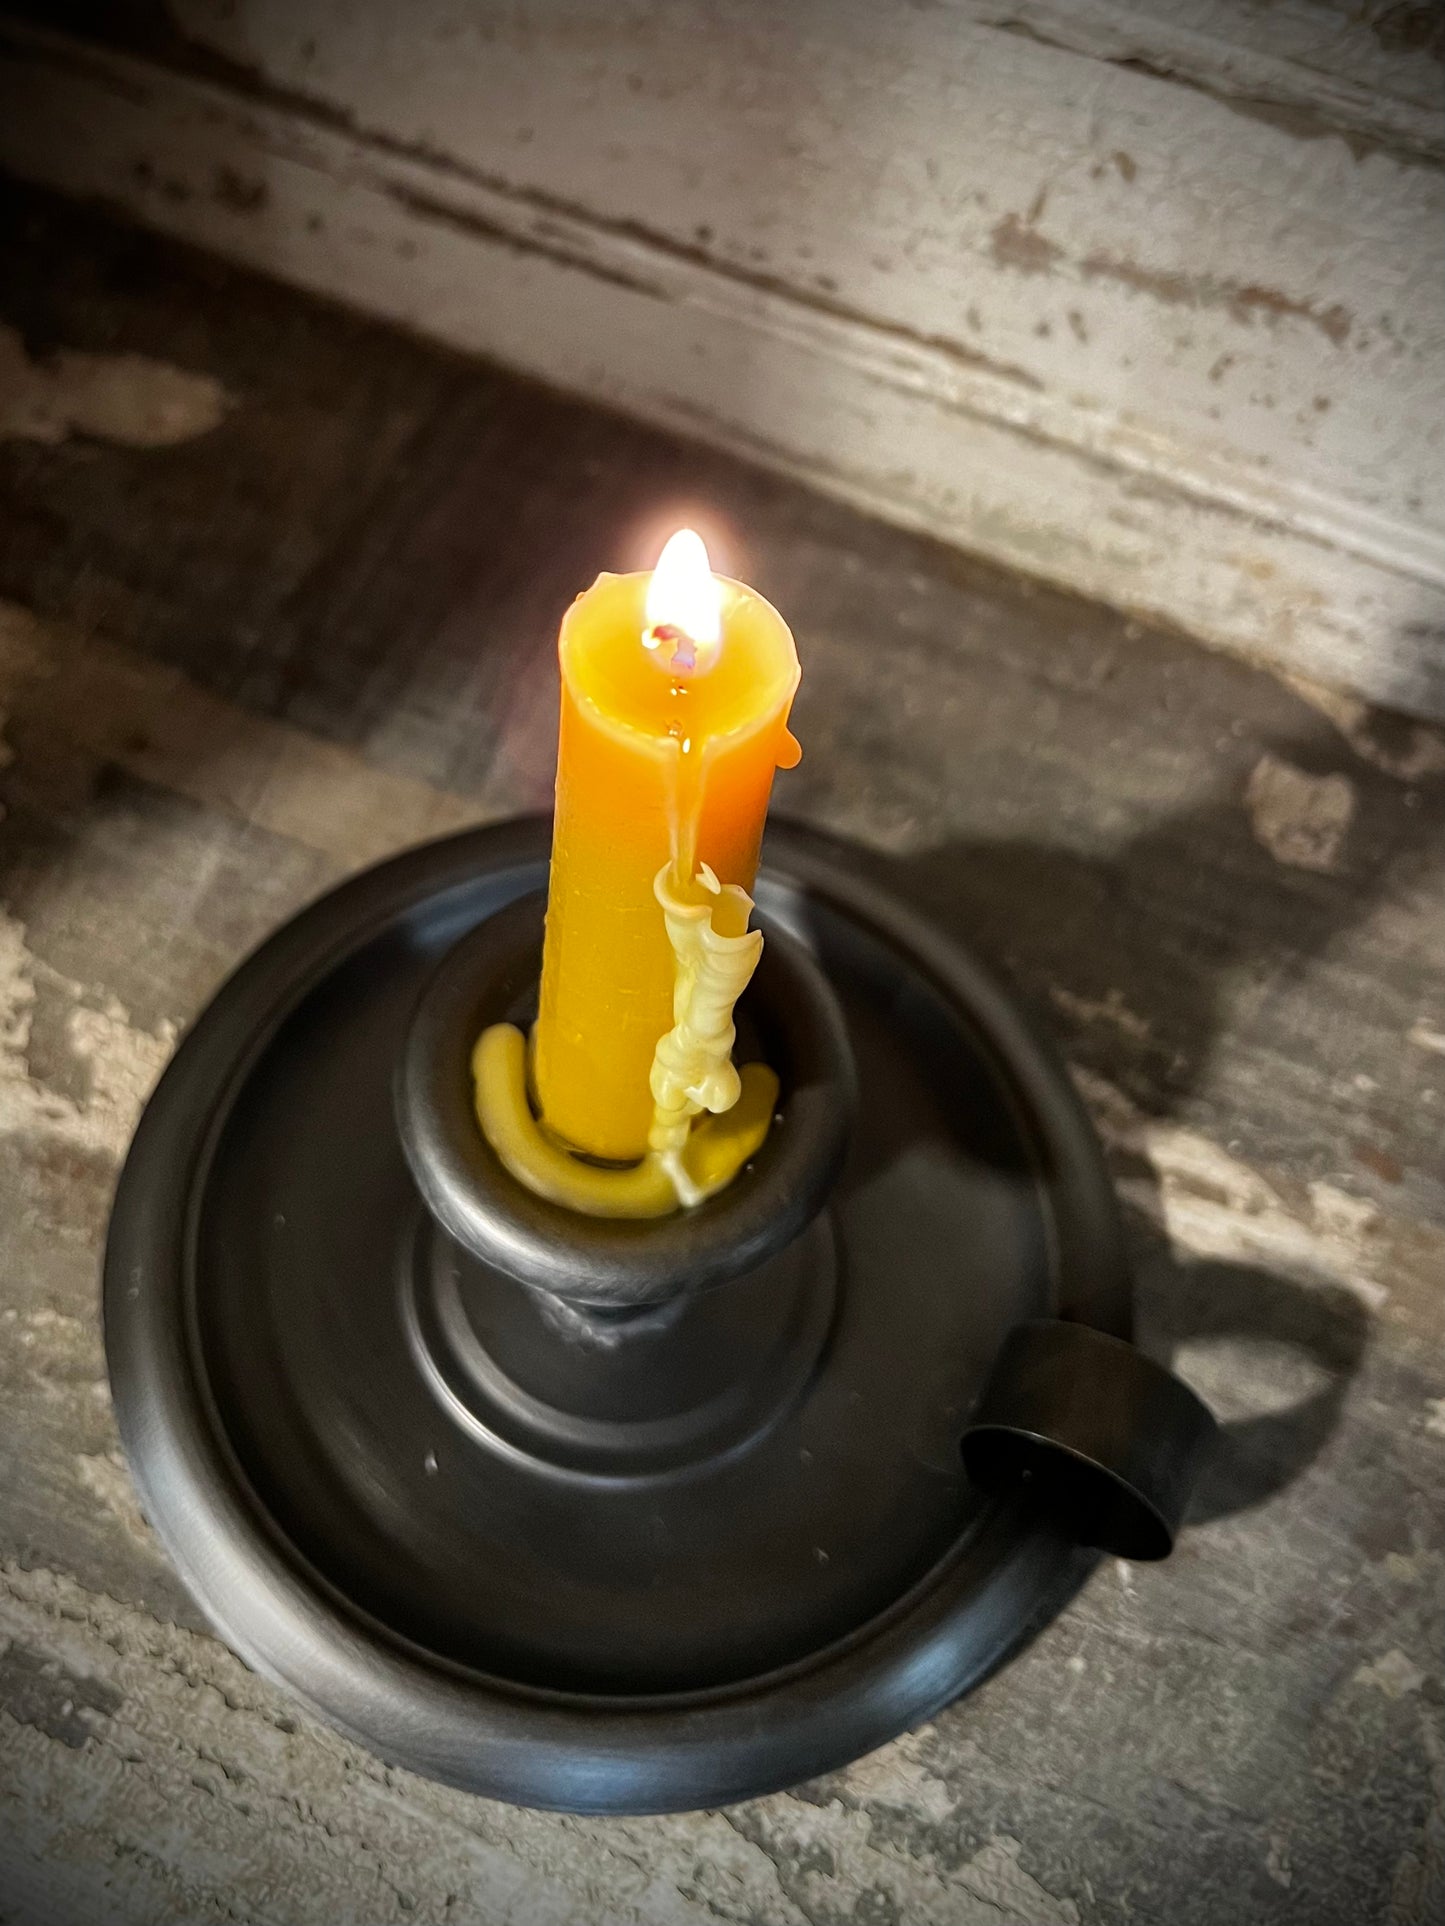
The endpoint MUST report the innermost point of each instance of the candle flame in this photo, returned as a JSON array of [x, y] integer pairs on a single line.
[[684, 594]]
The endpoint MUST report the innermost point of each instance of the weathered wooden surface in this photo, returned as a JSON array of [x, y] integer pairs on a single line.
[[1141, 298], [292, 606]]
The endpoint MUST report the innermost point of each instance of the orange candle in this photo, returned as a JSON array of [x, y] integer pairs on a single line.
[[676, 687]]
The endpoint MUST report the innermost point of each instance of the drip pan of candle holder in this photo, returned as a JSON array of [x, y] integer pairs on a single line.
[[610, 1551]]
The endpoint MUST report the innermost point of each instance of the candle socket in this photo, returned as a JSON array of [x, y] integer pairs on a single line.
[[604, 1347], [596, 1266]]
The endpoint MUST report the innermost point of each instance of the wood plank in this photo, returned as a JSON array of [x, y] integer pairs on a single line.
[[235, 666], [909, 260]]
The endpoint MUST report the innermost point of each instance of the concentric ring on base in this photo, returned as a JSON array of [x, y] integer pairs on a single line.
[[627, 1643], [490, 1348]]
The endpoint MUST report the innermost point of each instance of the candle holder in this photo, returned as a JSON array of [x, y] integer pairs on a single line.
[[627, 1517]]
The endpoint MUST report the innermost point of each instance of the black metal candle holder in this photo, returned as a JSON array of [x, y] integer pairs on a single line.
[[627, 1517]]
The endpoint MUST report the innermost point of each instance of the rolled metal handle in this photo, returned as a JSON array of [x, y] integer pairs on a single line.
[[1106, 1442]]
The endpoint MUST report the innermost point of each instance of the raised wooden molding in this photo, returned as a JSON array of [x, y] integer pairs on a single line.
[[1065, 359]]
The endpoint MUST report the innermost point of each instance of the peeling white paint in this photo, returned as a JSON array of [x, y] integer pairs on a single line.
[[1254, 1378], [1414, 1568], [1394, 1674], [991, 1888], [1419, 755], [1347, 1220], [199, 1748], [995, 1874], [1276, 1860], [1212, 1204], [60, 1351], [897, 1775], [125, 398], [1426, 1036], [1110, 1009], [106, 1478], [123, 1061], [1300, 819]]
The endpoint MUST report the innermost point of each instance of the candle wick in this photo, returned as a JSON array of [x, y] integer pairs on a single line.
[[684, 652]]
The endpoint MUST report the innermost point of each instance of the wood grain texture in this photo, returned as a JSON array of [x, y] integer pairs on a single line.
[[235, 667], [1141, 299]]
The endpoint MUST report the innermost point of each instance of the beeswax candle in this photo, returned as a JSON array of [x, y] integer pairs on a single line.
[[676, 688]]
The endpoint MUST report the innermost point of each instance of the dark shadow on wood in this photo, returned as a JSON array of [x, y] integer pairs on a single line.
[[1163, 934]]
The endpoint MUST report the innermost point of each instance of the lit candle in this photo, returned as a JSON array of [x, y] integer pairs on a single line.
[[676, 687]]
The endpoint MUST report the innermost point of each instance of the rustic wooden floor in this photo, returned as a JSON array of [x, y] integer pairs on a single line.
[[279, 592]]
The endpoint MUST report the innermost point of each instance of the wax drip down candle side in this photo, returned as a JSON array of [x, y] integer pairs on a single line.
[[676, 690]]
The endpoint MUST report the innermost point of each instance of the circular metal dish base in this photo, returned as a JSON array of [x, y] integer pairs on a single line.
[[728, 1551]]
